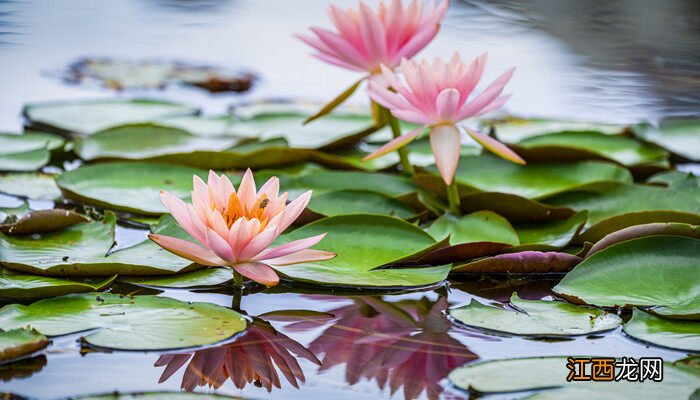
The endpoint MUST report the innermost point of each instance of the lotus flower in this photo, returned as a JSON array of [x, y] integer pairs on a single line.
[[437, 96], [235, 228], [366, 39]]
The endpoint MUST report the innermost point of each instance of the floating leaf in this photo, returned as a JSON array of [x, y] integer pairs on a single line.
[[201, 278], [146, 142], [205, 125], [481, 226], [637, 231], [357, 202], [157, 396], [683, 181], [683, 335], [536, 318], [617, 206], [363, 243], [525, 374], [550, 235], [513, 130], [679, 136], [88, 117], [81, 250], [19, 286], [41, 221], [648, 271], [18, 342], [27, 152], [569, 146], [127, 323], [130, 187], [524, 262], [35, 186]]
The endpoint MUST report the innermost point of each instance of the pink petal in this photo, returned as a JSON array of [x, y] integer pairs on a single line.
[[219, 246], [386, 97], [246, 190], [214, 192], [188, 250], [496, 147], [445, 142], [199, 226], [294, 209], [302, 256], [271, 188], [258, 272], [338, 62], [470, 78], [395, 144], [495, 105], [447, 105], [417, 42], [291, 247], [486, 97], [238, 236], [340, 47], [373, 33], [415, 117], [178, 209], [259, 243]]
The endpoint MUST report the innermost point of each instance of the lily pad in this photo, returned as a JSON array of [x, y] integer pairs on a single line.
[[591, 145], [524, 262], [538, 373], [357, 202], [513, 130], [18, 342], [637, 231], [683, 181], [617, 205], [41, 221], [549, 235], [27, 152], [145, 142], [19, 286], [648, 271], [481, 226], [127, 323], [88, 117], [81, 250], [201, 278], [683, 335], [363, 243], [679, 136], [157, 396], [536, 318], [514, 208], [205, 126], [131, 187], [34, 186]]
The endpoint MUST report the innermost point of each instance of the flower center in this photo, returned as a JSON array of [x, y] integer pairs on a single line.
[[236, 210]]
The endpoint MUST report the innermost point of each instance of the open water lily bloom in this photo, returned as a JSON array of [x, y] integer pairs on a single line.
[[365, 38], [439, 96], [237, 228]]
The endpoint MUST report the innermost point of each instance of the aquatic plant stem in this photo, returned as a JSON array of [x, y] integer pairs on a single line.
[[453, 198], [406, 166], [237, 291]]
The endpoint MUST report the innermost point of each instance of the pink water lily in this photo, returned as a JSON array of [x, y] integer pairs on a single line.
[[365, 38], [236, 228], [438, 96]]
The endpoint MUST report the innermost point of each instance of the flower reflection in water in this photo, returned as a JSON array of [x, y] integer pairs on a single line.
[[254, 357], [400, 344]]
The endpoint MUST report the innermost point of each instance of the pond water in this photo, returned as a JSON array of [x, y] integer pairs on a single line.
[[604, 61]]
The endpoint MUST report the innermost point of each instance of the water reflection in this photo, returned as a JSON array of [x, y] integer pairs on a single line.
[[405, 344], [254, 357]]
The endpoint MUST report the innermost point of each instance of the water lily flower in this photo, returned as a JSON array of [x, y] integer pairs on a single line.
[[365, 39], [236, 228], [438, 96]]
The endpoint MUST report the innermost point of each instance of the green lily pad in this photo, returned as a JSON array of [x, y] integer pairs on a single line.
[[31, 185], [88, 117], [683, 181], [591, 145], [617, 206], [679, 136], [27, 152], [146, 142], [683, 335], [549, 235], [41, 221], [19, 286], [637, 231], [513, 130], [157, 396], [205, 126], [131, 187], [201, 278], [357, 202], [648, 271], [127, 323], [325, 181], [81, 250], [18, 342], [481, 226], [363, 243], [538, 373], [333, 130], [524, 262], [536, 318]]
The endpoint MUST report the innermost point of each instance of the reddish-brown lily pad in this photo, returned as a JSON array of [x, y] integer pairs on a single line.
[[522, 263]]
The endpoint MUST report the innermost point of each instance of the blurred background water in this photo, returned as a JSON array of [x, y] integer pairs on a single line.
[[617, 61]]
